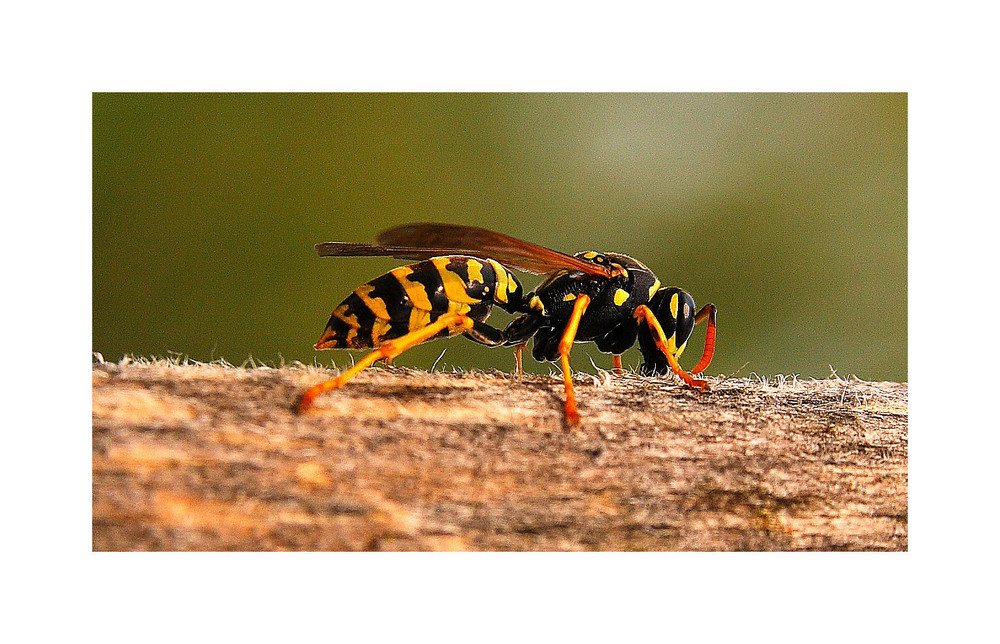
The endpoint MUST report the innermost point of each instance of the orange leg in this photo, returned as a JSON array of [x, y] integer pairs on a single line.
[[616, 365], [517, 356], [645, 314], [707, 311], [565, 344], [389, 350]]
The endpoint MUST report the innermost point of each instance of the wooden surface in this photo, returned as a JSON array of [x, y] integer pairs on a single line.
[[209, 457]]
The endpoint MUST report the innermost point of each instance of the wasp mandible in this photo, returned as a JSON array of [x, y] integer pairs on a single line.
[[463, 271]]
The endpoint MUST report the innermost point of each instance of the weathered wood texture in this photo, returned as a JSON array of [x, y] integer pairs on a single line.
[[208, 457]]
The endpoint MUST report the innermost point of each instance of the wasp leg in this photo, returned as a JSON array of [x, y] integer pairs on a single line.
[[522, 329], [517, 356], [485, 334], [565, 344], [491, 337], [518, 332], [707, 311], [643, 313], [616, 365], [390, 350]]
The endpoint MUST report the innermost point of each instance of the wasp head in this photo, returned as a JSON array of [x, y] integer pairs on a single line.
[[674, 310]]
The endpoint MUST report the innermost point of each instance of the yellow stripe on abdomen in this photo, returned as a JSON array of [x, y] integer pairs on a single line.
[[455, 288], [458, 307], [416, 292], [379, 329], [503, 281], [376, 304], [343, 314], [419, 318], [475, 271]]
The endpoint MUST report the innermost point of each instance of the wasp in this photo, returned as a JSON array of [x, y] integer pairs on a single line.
[[462, 272]]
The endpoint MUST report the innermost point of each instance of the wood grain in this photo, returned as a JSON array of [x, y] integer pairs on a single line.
[[212, 457]]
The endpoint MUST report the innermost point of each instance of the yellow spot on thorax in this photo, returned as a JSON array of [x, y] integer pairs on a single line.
[[416, 292], [620, 296], [589, 255], [654, 288], [536, 304], [569, 297]]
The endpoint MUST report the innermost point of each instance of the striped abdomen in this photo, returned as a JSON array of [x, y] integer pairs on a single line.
[[411, 297]]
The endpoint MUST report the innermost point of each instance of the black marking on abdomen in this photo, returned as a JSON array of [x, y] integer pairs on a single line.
[[390, 291], [426, 274]]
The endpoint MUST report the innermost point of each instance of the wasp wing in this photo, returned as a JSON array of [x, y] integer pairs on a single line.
[[348, 249], [447, 239]]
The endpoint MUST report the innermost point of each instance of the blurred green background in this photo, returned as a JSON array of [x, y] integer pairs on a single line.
[[788, 211]]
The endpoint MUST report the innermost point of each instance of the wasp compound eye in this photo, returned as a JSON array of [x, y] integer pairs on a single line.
[[685, 318]]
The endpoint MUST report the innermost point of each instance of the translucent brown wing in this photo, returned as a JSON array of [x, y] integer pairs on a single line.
[[423, 241], [349, 249], [470, 240]]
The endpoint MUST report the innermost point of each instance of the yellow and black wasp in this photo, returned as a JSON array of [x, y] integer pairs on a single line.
[[462, 272]]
